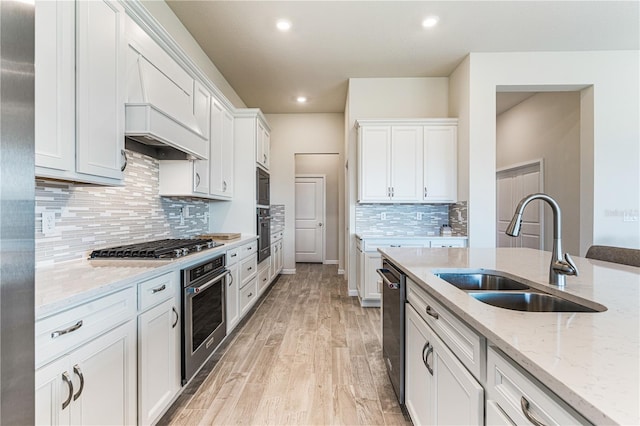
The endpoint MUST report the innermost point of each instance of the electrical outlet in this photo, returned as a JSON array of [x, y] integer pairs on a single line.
[[383, 216], [187, 213], [182, 216], [48, 222], [205, 217], [419, 216]]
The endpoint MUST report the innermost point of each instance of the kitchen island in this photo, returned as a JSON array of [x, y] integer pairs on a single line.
[[589, 360]]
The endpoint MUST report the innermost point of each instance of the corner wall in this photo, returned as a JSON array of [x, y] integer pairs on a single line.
[[615, 186]]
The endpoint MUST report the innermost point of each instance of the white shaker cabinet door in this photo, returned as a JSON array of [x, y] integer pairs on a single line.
[[101, 50], [440, 163], [406, 163], [374, 166], [108, 368], [54, 389], [55, 124], [418, 380], [158, 365]]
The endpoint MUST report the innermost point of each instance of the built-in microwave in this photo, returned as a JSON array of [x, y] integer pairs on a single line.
[[262, 188]]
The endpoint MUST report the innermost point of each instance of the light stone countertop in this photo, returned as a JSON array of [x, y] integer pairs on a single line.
[[408, 237], [64, 285], [590, 360]]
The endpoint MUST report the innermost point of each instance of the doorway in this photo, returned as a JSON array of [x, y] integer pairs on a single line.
[[545, 125], [310, 218], [512, 185]]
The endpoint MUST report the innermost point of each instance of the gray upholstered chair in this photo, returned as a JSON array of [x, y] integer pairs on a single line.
[[624, 256]]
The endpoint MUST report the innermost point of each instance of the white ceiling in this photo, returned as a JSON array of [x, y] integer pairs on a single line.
[[332, 41]]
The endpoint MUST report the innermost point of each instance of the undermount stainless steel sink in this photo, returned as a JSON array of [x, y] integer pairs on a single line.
[[531, 302], [481, 281]]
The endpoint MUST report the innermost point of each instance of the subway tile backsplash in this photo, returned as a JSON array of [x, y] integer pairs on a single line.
[[401, 220], [277, 217], [90, 217]]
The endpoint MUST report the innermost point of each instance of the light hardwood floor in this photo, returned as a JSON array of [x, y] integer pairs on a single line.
[[308, 355]]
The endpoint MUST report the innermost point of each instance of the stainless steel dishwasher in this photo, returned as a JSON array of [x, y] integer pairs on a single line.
[[393, 316]]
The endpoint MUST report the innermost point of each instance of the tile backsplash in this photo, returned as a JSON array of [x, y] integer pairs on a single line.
[[402, 219], [90, 216], [277, 217]]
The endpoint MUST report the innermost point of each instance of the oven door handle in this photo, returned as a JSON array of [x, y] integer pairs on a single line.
[[212, 281], [382, 272]]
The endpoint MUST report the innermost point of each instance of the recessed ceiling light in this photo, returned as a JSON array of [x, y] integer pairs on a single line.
[[301, 99], [283, 25], [430, 21]]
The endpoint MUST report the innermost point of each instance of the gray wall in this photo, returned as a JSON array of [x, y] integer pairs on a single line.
[[547, 126]]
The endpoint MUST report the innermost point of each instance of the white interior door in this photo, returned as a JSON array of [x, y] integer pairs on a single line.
[[310, 196], [512, 185]]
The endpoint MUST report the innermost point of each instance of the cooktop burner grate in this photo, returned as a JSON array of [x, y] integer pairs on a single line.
[[160, 249]]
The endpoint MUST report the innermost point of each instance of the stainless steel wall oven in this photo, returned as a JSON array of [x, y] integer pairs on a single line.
[[264, 233], [203, 313], [263, 190]]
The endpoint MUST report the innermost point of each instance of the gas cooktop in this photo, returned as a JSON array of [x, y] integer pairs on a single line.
[[159, 249]]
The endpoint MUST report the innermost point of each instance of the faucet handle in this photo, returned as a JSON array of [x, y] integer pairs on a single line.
[[571, 263]]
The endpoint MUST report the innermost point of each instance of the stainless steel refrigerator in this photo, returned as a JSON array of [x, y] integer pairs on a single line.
[[17, 213]]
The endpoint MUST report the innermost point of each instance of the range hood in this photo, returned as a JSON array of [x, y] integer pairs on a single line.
[[159, 111]]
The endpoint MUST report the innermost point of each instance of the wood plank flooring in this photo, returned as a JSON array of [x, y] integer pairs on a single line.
[[308, 355]]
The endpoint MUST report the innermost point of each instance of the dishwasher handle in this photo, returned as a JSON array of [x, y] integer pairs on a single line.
[[383, 272]]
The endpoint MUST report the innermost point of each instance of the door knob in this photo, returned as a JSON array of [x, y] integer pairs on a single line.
[[320, 224]]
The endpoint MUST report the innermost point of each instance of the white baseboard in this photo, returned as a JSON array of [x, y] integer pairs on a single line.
[[288, 272], [330, 262], [353, 292], [340, 271]]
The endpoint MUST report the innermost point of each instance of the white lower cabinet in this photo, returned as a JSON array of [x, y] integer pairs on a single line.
[[439, 389], [232, 293], [94, 384], [515, 398], [158, 346], [264, 275], [158, 360]]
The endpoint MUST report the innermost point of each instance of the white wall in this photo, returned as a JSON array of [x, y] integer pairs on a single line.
[[385, 98], [547, 126], [329, 165], [165, 16], [615, 186], [301, 134]]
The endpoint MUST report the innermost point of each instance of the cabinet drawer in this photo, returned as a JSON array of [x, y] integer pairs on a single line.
[[448, 243], [233, 256], [460, 338], [373, 245], [248, 295], [248, 269], [156, 290], [248, 249], [507, 384], [263, 277], [60, 333]]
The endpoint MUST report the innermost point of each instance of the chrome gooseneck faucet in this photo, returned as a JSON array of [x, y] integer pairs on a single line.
[[560, 267]]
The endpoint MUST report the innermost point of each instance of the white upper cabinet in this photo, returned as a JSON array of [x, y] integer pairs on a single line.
[[80, 91], [406, 163], [263, 145], [403, 161], [100, 65], [221, 159], [440, 163]]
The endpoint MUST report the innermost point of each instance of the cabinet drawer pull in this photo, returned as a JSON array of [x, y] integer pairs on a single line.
[[71, 329], [76, 369], [432, 313], [197, 179], [234, 255], [163, 287], [524, 404], [230, 279], [67, 380], [126, 160], [426, 359], [424, 356], [177, 317], [249, 295]]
